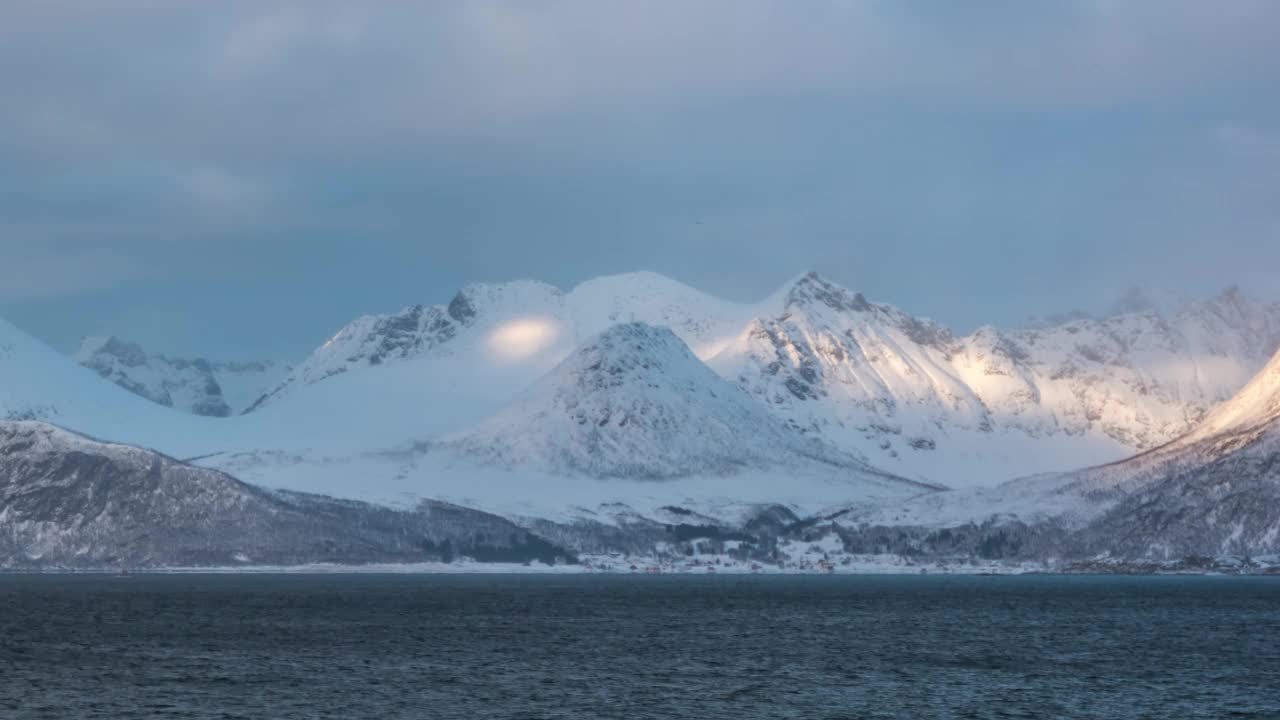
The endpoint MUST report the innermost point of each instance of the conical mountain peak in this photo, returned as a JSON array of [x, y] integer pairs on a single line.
[[812, 288]]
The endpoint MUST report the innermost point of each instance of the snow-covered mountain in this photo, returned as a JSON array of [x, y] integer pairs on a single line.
[[906, 393], [634, 402], [196, 386], [512, 331]]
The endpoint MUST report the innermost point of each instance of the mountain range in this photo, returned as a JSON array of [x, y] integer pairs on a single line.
[[905, 393], [634, 404]]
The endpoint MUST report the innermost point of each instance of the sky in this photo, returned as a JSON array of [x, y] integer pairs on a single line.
[[239, 179]]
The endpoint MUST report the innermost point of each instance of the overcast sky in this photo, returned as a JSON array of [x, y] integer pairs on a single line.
[[239, 179]]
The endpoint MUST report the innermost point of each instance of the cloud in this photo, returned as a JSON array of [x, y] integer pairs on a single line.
[[167, 129], [233, 73]]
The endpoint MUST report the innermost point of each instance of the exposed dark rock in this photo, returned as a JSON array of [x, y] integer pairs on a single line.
[[461, 309]]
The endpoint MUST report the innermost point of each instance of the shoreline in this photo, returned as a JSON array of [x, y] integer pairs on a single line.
[[504, 569]]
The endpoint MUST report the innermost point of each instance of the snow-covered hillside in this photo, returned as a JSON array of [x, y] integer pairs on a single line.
[[196, 386], [67, 500]]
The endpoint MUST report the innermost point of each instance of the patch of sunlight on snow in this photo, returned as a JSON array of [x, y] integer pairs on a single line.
[[521, 338], [707, 350]]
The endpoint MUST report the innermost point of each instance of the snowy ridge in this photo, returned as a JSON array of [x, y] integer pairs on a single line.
[[196, 386]]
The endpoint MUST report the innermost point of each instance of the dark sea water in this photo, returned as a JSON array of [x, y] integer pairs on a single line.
[[360, 646]]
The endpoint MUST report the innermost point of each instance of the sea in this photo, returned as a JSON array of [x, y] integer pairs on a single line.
[[597, 646]]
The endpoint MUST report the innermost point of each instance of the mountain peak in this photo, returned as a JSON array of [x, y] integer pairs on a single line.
[[813, 288], [1146, 299], [635, 335], [626, 351], [477, 299], [635, 278], [129, 354]]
